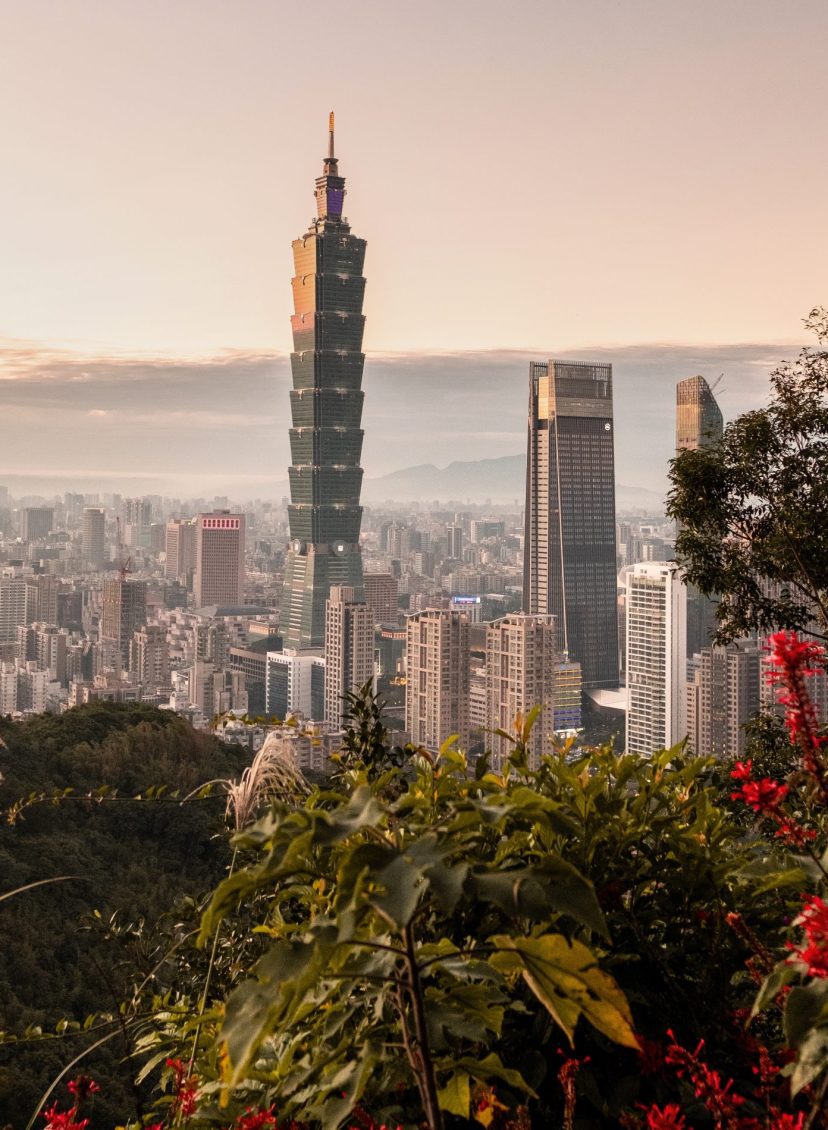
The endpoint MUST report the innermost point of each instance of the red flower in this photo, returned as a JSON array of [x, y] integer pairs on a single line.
[[667, 1118], [796, 660], [789, 1121], [763, 796], [186, 1090], [742, 770], [82, 1087], [63, 1119], [720, 1100]]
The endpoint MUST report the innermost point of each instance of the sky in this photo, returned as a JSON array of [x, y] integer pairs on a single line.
[[534, 179]]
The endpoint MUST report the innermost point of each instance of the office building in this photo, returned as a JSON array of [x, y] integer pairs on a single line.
[[722, 695], [36, 522], [349, 651], [382, 592], [699, 423], [437, 677], [123, 612], [136, 522], [569, 551], [521, 662], [295, 684], [656, 657], [93, 544], [326, 408], [180, 550], [48, 588], [219, 559], [454, 542]]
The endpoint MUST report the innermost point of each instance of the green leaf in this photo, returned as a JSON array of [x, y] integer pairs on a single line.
[[565, 978], [782, 975], [455, 1097], [492, 1068], [806, 1007], [812, 1059]]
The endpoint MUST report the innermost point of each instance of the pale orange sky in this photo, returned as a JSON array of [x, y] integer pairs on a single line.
[[527, 175]]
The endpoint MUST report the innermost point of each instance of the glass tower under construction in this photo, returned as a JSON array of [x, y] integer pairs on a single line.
[[699, 420], [569, 549], [326, 409]]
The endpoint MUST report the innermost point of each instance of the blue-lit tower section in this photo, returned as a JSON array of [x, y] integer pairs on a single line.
[[326, 410]]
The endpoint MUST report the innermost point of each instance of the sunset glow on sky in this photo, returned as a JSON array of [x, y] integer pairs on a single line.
[[529, 175]]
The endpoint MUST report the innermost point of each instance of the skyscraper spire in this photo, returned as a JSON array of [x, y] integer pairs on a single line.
[[331, 136], [326, 408]]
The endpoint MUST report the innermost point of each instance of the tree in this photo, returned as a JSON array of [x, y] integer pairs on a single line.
[[753, 509]]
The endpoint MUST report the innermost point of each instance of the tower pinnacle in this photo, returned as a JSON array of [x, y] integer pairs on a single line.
[[331, 136]]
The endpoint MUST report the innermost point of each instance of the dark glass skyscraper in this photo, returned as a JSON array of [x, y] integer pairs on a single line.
[[326, 407], [569, 549]]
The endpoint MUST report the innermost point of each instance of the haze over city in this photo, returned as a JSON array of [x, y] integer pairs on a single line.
[[550, 179]]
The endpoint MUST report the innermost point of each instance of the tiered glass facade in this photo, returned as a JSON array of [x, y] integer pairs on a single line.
[[326, 409], [569, 552]]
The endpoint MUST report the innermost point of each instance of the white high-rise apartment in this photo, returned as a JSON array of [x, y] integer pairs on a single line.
[[722, 695], [219, 559], [349, 650], [149, 658], [521, 673], [656, 657], [437, 690], [18, 605]]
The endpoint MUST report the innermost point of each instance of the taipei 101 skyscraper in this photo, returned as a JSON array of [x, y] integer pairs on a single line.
[[326, 409]]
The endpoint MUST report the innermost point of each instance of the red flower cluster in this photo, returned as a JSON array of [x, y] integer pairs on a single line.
[[814, 951], [80, 1088], [186, 1089], [765, 797], [722, 1102], [63, 1119], [795, 660], [665, 1118]]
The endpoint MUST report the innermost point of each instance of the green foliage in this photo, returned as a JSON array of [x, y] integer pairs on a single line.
[[753, 509], [71, 954]]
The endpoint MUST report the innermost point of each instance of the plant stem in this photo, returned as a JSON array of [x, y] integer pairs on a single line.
[[203, 1003], [426, 1080]]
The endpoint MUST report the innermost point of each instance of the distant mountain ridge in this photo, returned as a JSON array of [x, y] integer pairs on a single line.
[[501, 480]]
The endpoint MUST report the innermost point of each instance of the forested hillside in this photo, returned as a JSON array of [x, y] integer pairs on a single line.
[[132, 859]]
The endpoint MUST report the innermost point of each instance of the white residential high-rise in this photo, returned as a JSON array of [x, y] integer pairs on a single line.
[[656, 657], [437, 689], [18, 605], [521, 663], [149, 659], [722, 695], [349, 650], [219, 559]]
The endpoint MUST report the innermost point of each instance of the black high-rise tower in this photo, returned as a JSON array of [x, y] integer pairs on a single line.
[[326, 408], [569, 550]]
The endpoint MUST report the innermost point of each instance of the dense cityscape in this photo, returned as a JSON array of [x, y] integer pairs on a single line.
[[340, 790], [463, 618]]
